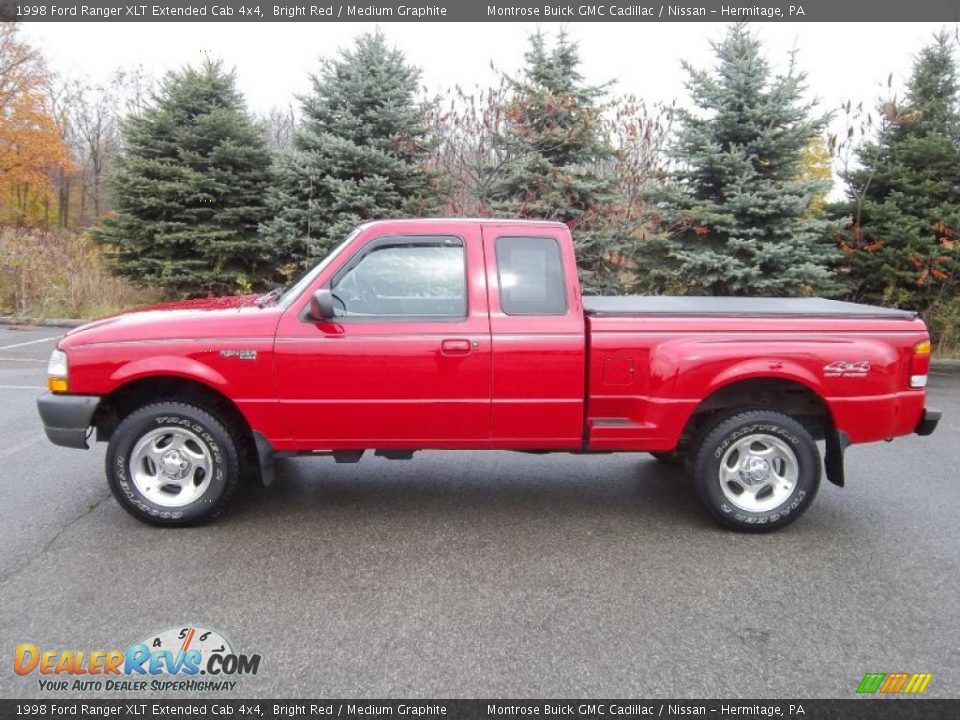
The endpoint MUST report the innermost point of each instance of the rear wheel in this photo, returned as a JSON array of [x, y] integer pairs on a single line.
[[756, 471], [172, 463]]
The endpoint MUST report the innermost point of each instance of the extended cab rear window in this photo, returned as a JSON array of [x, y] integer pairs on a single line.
[[531, 276]]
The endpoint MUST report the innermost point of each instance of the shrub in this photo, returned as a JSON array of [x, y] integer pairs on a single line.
[[943, 321], [60, 275]]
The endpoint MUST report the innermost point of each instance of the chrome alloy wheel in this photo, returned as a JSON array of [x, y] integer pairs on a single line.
[[758, 473], [171, 466]]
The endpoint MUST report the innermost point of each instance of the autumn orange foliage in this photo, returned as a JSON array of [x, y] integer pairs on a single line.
[[31, 148]]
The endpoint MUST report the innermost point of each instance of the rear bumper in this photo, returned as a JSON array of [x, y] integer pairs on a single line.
[[67, 417], [928, 422], [870, 418]]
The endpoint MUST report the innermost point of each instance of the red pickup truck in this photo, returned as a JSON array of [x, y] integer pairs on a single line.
[[473, 335]]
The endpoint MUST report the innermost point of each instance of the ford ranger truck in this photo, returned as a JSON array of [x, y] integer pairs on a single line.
[[473, 335]]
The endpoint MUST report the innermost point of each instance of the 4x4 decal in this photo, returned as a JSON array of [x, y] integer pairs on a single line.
[[844, 368]]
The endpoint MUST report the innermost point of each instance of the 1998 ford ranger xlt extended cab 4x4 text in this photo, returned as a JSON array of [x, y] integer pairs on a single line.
[[472, 335]]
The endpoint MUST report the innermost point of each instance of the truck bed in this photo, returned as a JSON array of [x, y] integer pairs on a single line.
[[627, 305]]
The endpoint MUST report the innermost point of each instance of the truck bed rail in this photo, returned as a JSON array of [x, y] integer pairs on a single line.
[[606, 305]]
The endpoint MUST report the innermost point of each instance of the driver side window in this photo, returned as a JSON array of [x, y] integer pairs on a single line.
[[421, 278]]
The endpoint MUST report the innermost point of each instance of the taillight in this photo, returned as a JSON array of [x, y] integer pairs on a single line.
[[920, 364]]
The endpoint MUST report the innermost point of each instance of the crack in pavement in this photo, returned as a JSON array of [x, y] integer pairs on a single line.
[[12, 573]]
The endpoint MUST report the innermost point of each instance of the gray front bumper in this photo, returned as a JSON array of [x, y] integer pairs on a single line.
[[67, 417]]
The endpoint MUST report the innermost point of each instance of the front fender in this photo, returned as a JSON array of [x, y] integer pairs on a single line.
[[169, 365]]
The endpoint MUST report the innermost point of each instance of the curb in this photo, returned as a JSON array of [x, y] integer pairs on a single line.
[[945, 365], [53, 322]]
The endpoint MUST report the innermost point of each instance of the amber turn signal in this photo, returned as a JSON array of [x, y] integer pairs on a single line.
[[57, 385]]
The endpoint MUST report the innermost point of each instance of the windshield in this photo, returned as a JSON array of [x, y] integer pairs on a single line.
[[298, 284]]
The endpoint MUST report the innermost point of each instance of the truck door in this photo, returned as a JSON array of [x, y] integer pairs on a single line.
[[406, 361], [538, 335]]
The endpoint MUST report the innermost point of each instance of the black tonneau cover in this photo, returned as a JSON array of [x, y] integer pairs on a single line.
[[736, 306]]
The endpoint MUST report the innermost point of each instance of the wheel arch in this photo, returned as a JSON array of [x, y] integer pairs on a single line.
[[771, 392], [143, 390], [792, 396]]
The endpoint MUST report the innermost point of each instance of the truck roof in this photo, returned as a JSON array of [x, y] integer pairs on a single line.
[[736, 306], [455, 220]]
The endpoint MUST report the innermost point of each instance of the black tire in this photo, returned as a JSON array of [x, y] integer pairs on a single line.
[[776, 428], [673, 457], [222, 448]]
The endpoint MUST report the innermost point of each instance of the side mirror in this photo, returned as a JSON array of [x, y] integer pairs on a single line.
[[321, 306]]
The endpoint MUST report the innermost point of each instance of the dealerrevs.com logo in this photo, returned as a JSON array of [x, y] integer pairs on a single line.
[[186, 659], [894, 683]]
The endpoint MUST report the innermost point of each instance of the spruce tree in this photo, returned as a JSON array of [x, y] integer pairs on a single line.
[[357, 154], [189, 189], [736, 217], [553, 134], [902, 242]]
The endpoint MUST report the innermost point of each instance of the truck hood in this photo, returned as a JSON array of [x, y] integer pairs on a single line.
[[202, 318], [224, 302]]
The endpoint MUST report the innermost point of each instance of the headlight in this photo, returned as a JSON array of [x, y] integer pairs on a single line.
[[57, 371]]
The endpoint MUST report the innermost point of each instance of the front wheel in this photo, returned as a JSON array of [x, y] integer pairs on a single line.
[[171, 463], [757, 471]]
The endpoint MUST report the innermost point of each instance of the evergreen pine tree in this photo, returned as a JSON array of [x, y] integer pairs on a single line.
[[737, 214], [189, 189], [357, 154], [553, 133], [903, 243]]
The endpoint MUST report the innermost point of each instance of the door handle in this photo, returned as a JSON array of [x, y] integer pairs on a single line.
[[455, 347]]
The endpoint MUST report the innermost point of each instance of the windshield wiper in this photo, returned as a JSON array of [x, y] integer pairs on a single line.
[[270, 297]]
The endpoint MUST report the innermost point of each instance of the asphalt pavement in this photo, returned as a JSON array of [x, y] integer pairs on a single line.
[[491, 574]]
